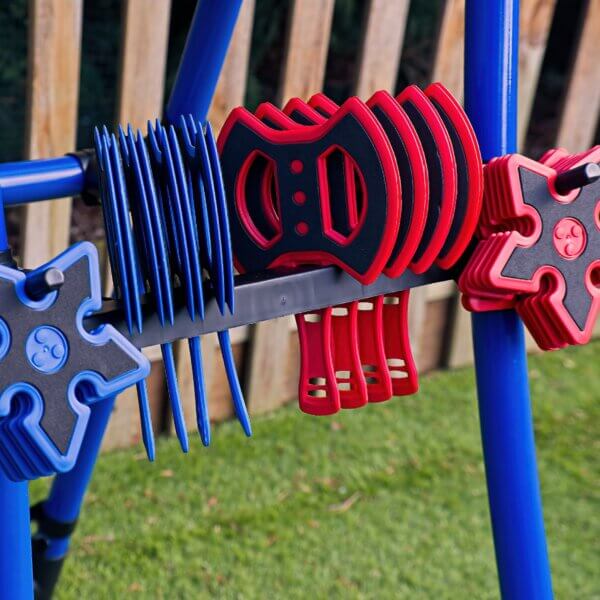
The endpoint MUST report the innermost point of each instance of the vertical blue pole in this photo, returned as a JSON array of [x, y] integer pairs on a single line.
[[58, 514], [68, 489], [15, 543], [61, 510], [3, 232], [203, 56], [491, 72]]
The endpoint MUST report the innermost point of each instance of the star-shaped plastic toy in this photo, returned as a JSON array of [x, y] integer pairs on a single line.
[[52, 368], [540, 249]]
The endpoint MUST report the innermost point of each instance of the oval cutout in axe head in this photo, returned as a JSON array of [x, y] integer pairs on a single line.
[[343, 320], [346, 202], [300, 160], [412, 166], [340, 173]]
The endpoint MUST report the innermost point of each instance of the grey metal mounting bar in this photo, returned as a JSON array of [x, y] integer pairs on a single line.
[[264, 296]]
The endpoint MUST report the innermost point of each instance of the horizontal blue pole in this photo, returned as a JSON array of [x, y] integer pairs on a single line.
[[491, 75], [43, 179], [16, 571], [202, 59]]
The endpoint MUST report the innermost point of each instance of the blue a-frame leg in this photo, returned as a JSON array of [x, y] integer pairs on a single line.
[[15, 544], [491, 74]]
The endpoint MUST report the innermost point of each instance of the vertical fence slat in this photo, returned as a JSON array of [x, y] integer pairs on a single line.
[[304, 70], [381, 46], [535, 22], [449, 59], [53, 91], [581, 108], [306, 48], [143, 61], [144, 43], [266, 368], [144, 39], [460, 351], [186, 381], [380, 54], [231, 87], [229, 93], [447, 68], [124, 429]]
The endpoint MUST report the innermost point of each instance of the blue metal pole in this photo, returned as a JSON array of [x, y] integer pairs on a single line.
[[3, 231], [58, 515], [42, 179], [207, 42], [16, 574], [15, 545], [203, 56], [68, 489], [491, 73]]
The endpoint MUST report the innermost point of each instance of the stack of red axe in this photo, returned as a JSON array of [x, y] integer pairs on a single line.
[[539, 248], [394, 184], [374, 188]]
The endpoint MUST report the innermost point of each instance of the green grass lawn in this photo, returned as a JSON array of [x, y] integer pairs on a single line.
[[385, 502]]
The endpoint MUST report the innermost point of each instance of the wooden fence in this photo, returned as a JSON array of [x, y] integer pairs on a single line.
[[267, 353]]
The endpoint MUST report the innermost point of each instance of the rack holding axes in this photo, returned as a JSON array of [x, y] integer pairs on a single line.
[[331, 213]]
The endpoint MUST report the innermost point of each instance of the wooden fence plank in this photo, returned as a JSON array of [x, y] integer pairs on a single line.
[[449, 56], [382, 21], [305, 61], [144, 43], [124, 429], [417, 307], [580, 114], [143, 61], [581, 108], [460, 351], [231, 87], [535, 22], [53, 91], [229, 93], [442, 290], [186, 381], [269, 349], [142, 70], [381, 46], [447, 68], [306, 48]]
